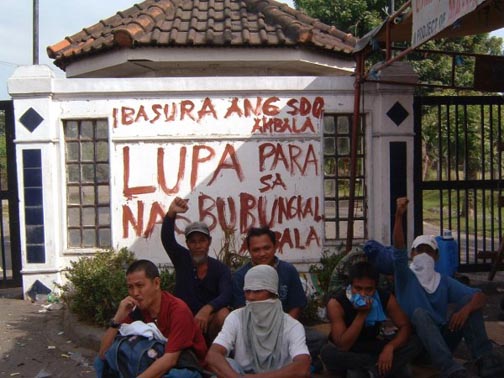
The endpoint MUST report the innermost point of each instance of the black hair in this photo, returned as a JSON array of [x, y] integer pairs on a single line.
[[259, 231], [150, 269], [362, 269]]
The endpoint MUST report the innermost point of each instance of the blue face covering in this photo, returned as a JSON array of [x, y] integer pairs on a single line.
[[376, 314]]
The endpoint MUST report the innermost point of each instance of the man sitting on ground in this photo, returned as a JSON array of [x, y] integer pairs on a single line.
[[357, 343], [262, 245], [171, 316], [264, 340], [203, 282], [425, 295]]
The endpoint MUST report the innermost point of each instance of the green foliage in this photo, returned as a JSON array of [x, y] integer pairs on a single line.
[[167, 279], [350, 16], [322, 271], [97, 284], [436, 68]]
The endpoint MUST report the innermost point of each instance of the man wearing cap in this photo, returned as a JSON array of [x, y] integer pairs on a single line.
[[264, 340], [425, 296], [201, 281]]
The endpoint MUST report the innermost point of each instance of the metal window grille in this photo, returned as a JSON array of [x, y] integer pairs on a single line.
[[336, 143], [87, 183]]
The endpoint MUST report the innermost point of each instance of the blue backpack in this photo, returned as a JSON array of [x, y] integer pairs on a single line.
[[129, 356]]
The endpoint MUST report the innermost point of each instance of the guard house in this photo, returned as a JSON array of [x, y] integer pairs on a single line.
[[242, 107]]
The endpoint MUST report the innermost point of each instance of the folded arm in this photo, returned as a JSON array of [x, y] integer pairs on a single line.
[[342, 336]]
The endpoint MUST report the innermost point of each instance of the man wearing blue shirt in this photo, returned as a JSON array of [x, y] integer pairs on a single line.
[[201, 281], [425, 295], [262, 251]]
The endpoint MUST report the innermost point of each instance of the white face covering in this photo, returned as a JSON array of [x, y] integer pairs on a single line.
[[262, 327], [423, 267]]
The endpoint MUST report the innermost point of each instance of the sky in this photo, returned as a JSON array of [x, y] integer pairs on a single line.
[[57, 19]]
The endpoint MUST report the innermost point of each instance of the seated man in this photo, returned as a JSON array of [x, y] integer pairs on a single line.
[[264, 340], [425, 295], [261, 243], [203, 282], [357, 343], [171, 315]]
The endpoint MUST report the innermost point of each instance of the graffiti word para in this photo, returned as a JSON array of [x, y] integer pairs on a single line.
[[293, 158], [189, 110]]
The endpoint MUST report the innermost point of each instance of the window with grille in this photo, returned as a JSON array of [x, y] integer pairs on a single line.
[[87, 183], [337, 143]]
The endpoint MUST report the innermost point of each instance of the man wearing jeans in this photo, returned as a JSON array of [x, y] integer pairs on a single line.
[[425, 295]]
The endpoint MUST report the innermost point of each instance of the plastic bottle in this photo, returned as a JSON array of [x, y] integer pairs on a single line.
[[448, 260]]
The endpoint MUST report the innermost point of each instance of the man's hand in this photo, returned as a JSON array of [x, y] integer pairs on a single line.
[[125, 307], [178, 205], [385, 360], [203, 316], [364, 310], [401, 205], [458, 319]]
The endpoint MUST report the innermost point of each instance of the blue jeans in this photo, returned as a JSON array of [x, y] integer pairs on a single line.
[[99, 366], [340, 361], [440, 342]]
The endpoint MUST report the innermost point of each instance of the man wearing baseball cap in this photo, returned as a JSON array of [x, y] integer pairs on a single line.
[[264, 340], [201, 281], [425, 295]]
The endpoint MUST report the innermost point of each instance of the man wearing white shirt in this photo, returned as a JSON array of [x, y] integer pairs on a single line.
[[264, 340]]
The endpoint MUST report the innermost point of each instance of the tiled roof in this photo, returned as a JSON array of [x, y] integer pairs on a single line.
[[198, 23]]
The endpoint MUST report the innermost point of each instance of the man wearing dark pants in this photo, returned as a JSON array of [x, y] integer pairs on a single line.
[[357, 344], [201, 281]]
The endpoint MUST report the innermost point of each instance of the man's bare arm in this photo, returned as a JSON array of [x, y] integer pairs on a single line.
[[398, 232], [216, 360], [298, 368], [344, 337]]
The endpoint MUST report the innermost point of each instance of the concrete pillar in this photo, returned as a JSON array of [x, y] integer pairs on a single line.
[[390, 147]]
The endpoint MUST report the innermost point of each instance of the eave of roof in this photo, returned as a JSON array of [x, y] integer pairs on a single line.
[[194, 23]]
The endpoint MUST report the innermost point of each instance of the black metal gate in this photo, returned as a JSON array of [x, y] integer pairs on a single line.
[[10, 251], [458, 170]]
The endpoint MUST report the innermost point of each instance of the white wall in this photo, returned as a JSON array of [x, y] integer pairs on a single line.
[[225, 158]]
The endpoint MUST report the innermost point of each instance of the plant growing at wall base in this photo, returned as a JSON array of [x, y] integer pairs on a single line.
[[228, 253], [321, 272], [97, 284]]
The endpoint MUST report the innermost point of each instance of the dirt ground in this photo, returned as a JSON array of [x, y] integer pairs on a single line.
[[33, 343]]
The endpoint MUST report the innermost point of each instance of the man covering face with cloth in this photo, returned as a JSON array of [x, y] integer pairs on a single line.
[[265, 341], [442, 310]]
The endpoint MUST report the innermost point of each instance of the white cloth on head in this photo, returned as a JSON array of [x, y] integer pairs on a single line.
[[139, 328], [423, 268], [261, 277], [232, 339]]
